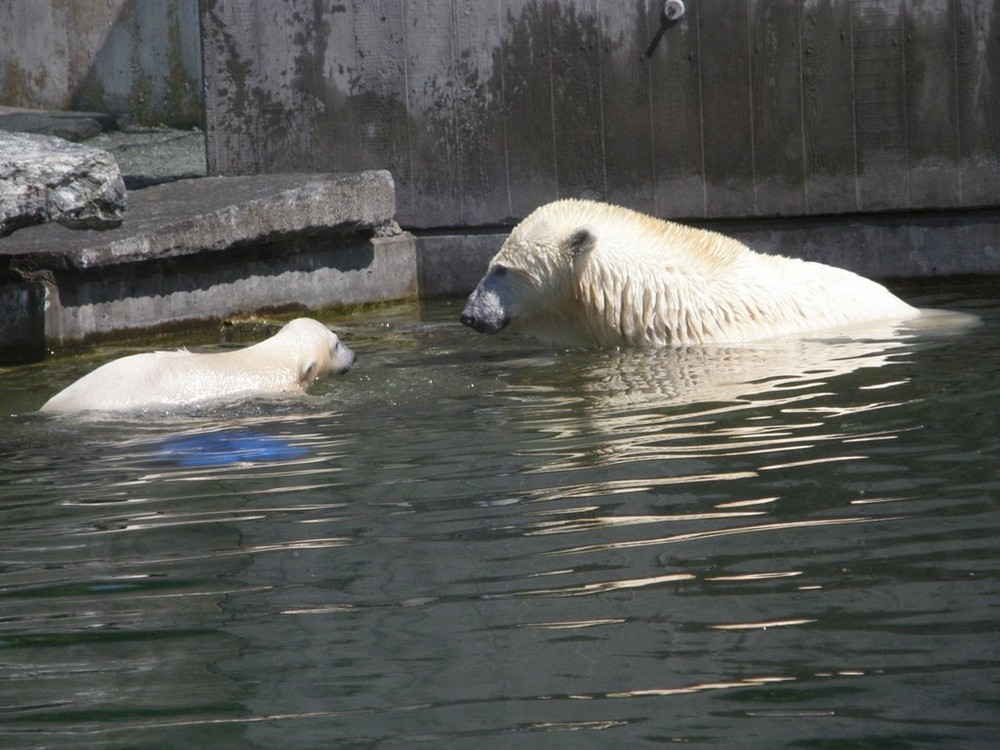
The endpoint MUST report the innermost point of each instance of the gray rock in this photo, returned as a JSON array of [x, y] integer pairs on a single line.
[[44, 178]]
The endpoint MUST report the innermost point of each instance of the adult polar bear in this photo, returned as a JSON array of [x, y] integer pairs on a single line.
[[289, 361], [582, 273]]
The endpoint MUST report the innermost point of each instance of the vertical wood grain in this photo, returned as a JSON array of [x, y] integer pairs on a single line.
[[828, 107], [526, 59], [378, 93], [577, 99], [776, 95], [978, 88], [479, 113], [726, 108], [676, 113], [931, 105], [625, 105], [880, 104], [432, 89]]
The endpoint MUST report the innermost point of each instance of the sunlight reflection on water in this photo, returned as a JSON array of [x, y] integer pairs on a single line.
[[473, 541]]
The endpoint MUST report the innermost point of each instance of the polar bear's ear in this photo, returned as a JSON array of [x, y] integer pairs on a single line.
[[581, 242]]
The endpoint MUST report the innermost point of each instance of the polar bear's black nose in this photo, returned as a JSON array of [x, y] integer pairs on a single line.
[[471, 321], [484, 324]]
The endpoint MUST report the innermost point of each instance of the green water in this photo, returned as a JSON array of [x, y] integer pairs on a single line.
[[471, 542]]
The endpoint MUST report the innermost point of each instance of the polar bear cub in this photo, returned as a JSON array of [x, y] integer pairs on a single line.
[[289, 361], [583, 273]]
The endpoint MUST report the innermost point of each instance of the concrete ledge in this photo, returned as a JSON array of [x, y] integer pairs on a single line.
[[897, 245], [310, 272], [211, 247], [208, 214], [946, 243]]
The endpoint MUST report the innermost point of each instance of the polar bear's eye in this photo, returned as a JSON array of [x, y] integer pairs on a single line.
[[500, 270]]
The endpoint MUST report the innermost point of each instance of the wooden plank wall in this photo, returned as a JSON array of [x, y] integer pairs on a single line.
[[746, 108]]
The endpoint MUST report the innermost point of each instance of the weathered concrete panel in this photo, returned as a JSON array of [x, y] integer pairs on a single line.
[[451, 265], [525, 79], [880, 104], [978, 98], [483, 111], [627, 134], [678, 138], [828, 108], [776, 104], [723, 30], [932, 139], [135, 57], [479, 114]]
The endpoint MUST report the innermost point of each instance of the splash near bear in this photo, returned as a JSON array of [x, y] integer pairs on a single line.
[[289, 361], [584, 273]]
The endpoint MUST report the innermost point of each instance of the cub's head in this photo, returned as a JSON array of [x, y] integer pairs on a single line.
[[317, 350], [529, 283]]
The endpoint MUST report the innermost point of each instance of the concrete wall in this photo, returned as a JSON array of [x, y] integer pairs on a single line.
[[140, 57], [482, 111]]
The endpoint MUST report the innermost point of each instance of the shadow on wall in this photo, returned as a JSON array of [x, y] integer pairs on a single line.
[[138, 59]]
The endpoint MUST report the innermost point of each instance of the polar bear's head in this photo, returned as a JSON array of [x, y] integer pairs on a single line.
[[530, 283], [317, 351]]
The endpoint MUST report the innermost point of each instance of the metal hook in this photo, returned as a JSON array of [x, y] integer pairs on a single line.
[[673, 11]]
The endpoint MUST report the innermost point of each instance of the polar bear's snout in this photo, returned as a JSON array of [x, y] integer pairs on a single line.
[[341, 356], [483, 324], [485, 311]]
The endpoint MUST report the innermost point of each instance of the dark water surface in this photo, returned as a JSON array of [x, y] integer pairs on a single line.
[[470, 542]]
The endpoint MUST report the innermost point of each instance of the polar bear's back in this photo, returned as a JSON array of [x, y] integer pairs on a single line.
[[651, 282], [164, 379], [290, 360]]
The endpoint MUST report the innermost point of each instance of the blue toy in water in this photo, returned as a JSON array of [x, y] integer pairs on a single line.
[[221, 448]]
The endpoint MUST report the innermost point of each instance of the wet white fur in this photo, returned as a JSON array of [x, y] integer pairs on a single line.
[[635, 280], [289, 361]]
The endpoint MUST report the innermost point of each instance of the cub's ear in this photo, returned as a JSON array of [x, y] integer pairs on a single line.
[[581, 242]]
